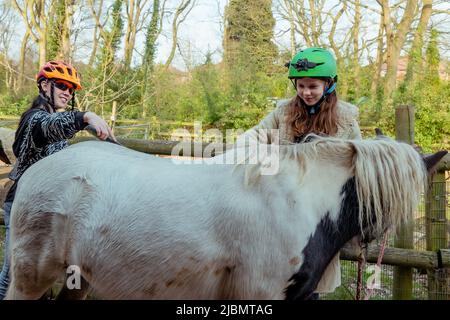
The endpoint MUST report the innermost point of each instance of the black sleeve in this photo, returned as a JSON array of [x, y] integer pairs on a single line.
[[49, 128]]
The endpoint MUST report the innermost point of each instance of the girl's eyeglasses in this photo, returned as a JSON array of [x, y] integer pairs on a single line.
[[63, 86]]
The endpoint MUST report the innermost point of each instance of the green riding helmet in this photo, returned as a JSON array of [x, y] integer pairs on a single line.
[[313, 62]]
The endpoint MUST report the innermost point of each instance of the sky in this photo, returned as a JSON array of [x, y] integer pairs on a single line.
[[202, 32], [199, 33]]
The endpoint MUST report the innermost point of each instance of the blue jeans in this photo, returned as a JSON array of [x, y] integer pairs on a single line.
[[4, 275]]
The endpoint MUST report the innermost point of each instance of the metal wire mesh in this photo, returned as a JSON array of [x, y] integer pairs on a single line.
[[426, 284]]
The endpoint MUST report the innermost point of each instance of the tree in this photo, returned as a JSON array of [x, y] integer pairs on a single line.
[[378, 64], [181, 13], [248, 45], [98, 30], [153, 30], [432, 60], [111, 39], [415, 60], [58, 46], [7, 74], [134, 24], [395, 39], [35, 15]]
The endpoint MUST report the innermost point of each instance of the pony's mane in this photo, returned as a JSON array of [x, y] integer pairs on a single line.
[[389, 176]]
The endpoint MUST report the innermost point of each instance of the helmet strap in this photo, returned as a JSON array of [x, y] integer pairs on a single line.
[[294, 83], [52, 95], [315, 108], [329, 90], [73, 101]]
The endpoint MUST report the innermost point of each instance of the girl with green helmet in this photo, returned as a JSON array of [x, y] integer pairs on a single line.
[[315, 66], [314, 109]]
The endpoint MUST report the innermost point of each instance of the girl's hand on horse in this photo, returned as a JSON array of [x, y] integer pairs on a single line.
[[100, 125]]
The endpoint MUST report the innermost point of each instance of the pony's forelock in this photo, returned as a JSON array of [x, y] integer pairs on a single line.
[[390, 178]]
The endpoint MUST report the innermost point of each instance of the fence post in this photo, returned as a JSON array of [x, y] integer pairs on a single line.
[[146, 132], [436, 234], [113, 115], [402, 284]]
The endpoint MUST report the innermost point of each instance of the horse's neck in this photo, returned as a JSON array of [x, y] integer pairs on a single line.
[[317, 186]]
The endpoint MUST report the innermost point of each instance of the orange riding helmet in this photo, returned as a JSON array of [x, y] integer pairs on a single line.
[[60, 70]]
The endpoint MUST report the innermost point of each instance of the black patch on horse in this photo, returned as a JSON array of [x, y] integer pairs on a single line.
[[328, 238]]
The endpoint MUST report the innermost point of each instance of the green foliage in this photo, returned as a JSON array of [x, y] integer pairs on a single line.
[[150, 40], [239, 91], [55, 28], [11, 105], [111, 41], [207, 78], [245, 113], [433, 117], [432, 121], [248, 38], [432, 59], [147, 87]]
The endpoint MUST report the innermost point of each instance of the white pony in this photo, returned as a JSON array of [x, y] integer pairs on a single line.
[[142, 227]]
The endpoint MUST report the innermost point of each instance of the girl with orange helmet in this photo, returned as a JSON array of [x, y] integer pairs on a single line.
[[43, 131], [61, 75]]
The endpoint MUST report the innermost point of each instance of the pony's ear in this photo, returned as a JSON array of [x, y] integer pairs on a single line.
[[380, 135], [432, 160]]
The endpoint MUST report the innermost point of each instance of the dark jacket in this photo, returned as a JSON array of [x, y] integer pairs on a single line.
[[39, 135]]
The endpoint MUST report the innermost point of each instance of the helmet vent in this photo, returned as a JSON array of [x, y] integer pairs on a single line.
[[60, 70]]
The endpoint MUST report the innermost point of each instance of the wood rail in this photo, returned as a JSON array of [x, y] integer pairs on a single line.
[[164, 147], [400, 257]]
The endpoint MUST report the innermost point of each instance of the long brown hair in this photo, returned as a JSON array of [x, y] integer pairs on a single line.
[[299, 122]]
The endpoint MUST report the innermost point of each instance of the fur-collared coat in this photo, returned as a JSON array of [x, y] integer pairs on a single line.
[[348, 127]]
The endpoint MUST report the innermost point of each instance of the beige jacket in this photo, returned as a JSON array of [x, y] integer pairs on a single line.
[[347, 114], [348, 129]]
